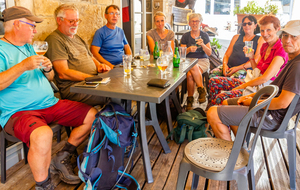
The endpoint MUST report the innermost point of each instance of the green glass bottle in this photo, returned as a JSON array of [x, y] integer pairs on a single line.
[[176, 58], [156, 51]]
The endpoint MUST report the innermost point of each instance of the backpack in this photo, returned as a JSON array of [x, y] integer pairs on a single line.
[[102, 163], [190, 125]]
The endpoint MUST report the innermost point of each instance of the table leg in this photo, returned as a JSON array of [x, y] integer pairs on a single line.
[[144, 143], [157, 128], [169, 116]]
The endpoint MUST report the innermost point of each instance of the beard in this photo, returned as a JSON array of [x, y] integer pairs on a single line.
[[73, 27]]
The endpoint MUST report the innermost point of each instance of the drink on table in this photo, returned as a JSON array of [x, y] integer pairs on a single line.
[[156, 51], [146, 55], [162, 63], [127, 64], [176, 58]]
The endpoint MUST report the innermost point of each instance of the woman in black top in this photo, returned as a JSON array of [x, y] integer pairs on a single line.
[[234, 58]]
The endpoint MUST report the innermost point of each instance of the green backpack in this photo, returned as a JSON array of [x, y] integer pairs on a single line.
[[190, 125]]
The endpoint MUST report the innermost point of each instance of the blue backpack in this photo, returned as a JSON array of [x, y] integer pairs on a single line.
[[102, 163]]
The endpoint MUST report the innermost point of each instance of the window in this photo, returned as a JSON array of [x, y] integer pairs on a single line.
[[222, 7]]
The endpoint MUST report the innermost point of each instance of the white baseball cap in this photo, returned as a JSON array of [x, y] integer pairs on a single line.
[[292, 28]]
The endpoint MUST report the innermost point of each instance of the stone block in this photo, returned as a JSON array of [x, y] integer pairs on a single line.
[[45, 7], [45, 28]]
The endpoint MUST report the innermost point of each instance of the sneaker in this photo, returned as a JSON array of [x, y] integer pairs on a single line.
[[189, 104], [61, 165], [45, 186], [202, 95]]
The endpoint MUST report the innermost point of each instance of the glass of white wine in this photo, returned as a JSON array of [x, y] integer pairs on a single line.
[[40, 47], [162, 63]]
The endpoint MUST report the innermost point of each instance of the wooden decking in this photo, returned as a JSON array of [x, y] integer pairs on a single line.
[[271, 167]]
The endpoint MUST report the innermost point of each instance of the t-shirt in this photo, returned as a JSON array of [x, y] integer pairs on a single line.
[[111, 43], [162, 42], [237, 56], [289, 80], [277, 50], [189, 41], [30, 91], [76, 52]]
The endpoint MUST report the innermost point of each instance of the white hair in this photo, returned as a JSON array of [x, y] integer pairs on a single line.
[[195, 15], [60, 11]]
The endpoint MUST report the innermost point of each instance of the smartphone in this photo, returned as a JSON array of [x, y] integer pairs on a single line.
[[87, 85]]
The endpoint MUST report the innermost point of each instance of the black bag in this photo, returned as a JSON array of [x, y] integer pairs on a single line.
[[214, 58]]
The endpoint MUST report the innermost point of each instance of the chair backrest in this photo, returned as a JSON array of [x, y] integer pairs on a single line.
[[244, 125], [288, 115]]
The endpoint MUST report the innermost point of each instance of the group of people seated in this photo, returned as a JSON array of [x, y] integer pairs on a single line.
[[28, 104]]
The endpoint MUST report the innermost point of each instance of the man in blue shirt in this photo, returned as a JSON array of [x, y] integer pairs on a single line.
[[109, 41], [28, 105]]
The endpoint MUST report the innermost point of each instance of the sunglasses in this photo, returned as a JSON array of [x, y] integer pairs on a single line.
[[245, 23]]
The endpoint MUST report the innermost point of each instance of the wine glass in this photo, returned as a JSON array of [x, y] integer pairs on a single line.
[[162, 63], [40, 47]]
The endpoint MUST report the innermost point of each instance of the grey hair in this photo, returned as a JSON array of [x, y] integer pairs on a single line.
[[195, 15], [60, 11], [8, 25]]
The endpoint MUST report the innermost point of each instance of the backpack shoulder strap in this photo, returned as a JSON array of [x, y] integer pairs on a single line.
[[190, 133], [182, 134]]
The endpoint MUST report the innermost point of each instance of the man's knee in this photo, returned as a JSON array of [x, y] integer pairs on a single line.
[[212, 114], [41, 139]]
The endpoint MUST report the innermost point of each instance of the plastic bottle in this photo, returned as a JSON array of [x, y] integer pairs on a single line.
[[156, 52], [176, 58], [146, 55]]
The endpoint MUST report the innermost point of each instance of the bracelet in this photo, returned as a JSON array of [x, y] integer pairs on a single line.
[[244, 67], [47, 71], [251, 59]]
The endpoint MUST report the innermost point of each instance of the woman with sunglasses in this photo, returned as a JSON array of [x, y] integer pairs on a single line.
[[160, 34], [198, 46], [272, 60]]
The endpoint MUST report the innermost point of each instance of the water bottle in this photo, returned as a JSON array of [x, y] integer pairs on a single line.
[[176, 58]]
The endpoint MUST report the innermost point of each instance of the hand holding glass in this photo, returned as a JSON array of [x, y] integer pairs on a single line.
[[249, 46], [196, 39], [40, 47]]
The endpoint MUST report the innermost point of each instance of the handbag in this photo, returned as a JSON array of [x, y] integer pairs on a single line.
[[251, 75], [214, 58]]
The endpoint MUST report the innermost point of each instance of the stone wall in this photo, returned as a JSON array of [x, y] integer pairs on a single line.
[[91, 12]]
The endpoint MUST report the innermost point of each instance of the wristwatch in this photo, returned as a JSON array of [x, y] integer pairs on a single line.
[[47, 71]]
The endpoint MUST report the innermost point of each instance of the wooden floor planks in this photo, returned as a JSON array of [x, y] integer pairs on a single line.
[[270, 165]]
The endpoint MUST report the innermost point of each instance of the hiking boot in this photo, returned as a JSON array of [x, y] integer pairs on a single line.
[[61, 164], [45, 186], [202, 95], [189, 104]]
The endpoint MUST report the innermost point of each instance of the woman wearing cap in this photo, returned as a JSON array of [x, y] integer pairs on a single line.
[[160, 34], [272, 60], [200, 49]]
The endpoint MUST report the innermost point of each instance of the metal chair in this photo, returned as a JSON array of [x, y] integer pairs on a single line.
[[4, 137], [223, 160], [287, 132]]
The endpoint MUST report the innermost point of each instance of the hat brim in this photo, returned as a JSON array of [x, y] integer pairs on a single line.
[[290, 31], [34, 18]]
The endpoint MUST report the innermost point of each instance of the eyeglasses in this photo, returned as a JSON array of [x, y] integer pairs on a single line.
[[245, 23], [112, 13], [78, 21], [195, 21], [32, 26]]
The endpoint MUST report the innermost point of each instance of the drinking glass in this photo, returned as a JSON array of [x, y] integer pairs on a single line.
[[40, 47], [127, 64], [162, 63], [196, 40], [182, 53], [249, 46]]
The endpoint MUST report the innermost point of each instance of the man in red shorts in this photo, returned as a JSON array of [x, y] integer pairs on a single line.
[[28, 105]]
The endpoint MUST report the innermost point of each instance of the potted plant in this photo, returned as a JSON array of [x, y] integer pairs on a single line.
[[253, 9]]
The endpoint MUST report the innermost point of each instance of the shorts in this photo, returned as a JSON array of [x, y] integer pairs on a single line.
[[203, 63], [64, 112], [233, 115]]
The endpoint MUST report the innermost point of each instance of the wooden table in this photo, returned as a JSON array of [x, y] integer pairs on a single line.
[[134, 87]]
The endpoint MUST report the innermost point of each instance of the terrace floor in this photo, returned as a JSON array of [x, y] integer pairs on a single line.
[[271, 167]]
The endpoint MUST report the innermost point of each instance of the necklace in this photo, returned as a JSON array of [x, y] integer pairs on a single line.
[[16, 46]]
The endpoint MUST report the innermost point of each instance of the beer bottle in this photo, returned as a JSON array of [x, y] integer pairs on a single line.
[[156, 51], [176, 58]]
